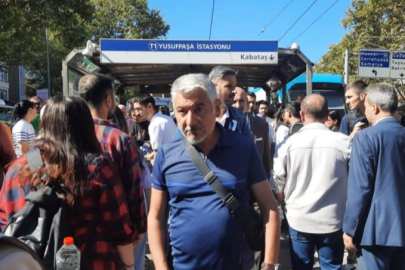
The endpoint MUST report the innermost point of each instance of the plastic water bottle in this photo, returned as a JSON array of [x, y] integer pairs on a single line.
[[68, 256]]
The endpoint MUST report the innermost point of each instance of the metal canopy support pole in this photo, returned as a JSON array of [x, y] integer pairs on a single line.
[[48, 69], [346, 66], [285, 97], [309, 78]]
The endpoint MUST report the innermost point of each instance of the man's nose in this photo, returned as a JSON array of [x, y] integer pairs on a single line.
[[190, 118]]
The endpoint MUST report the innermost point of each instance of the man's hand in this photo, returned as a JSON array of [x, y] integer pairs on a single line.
[[280, 198], [348, 241], [357, 127]]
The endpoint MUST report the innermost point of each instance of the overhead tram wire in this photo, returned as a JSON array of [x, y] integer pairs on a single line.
[[212, 18], [267, 25], [315, 21], [297, 20]]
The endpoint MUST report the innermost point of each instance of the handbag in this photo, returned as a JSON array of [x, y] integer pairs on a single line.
[[251, 221]]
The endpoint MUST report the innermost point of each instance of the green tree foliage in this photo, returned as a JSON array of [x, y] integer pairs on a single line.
[[70, 24], [126, 19], [374, 24]]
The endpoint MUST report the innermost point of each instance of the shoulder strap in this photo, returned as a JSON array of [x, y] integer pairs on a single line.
[[227, 198]]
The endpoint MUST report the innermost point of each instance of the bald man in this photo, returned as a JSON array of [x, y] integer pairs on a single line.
[[311, 176], [258, 126]]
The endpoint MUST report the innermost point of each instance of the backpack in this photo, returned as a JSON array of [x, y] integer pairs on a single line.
[[42, 223], [14, 254]]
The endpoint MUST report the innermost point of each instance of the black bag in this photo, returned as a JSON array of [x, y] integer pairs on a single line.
[[250, 220], [42, 224]]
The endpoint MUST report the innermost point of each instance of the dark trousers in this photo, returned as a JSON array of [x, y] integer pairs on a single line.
[[381, 258], [329, 245]]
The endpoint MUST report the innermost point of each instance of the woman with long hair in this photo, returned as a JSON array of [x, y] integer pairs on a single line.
[[23, 131], [75, 165]]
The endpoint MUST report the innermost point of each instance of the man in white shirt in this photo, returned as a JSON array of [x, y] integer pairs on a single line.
[[311, 176], [161, 128]]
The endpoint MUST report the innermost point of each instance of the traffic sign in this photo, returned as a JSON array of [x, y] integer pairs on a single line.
[[397, 65], [137, 51], [374, 63]]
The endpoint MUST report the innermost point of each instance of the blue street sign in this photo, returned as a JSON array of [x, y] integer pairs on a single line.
[[374, 63], [188, 51]]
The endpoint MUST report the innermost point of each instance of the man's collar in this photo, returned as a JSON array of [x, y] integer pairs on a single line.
[[103, 122], [385, 119], [155, 115], [313, 125]]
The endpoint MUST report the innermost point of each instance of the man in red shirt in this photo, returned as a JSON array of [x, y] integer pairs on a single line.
[[98, 91]]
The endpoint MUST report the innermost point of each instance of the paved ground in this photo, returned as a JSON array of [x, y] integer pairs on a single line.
[[284, 258]]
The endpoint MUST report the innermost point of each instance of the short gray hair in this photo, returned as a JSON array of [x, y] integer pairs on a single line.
[[221, 72], [383, 95], [188, 83]]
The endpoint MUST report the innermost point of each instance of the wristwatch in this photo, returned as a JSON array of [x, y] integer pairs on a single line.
[[269, 266]]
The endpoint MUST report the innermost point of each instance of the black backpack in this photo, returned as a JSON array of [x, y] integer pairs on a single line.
[[42, 224]]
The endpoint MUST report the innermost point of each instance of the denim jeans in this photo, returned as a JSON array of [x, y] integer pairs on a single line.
[[329, 246]]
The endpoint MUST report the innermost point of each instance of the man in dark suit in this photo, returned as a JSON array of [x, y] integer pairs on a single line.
[[258, 126], [260, 132], [230, 118], [374, 223]]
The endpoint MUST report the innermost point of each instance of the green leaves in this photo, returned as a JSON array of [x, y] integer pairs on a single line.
[[374, 24], [70, 24]]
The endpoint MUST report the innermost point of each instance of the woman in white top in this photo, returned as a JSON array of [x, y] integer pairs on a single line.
[[23, 131]]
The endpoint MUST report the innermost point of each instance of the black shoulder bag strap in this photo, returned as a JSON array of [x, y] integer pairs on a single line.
[[227, 198]]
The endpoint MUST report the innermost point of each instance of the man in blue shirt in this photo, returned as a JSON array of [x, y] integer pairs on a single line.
[[355, 96], [203, 232]]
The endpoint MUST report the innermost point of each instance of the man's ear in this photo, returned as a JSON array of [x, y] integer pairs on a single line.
[[363, 96], [302, 116], [108, 101], [376, 109]]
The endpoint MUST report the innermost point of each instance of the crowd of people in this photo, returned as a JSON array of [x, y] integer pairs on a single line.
[[129, 169]]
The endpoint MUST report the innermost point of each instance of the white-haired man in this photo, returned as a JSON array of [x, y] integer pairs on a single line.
[[204, 234], [375, 211]]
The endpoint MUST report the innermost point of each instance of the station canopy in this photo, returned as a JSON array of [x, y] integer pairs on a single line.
[[155, 64]]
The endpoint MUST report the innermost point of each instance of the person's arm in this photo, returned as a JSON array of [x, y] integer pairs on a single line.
[[360, 185], [24, 147], [357, 127], [126, 254], [157, 228], [280, 173], [271, 219], [114, 212]]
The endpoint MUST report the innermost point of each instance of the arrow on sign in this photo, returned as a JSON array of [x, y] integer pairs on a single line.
[[374, 72], [271, 57], [402, 75]]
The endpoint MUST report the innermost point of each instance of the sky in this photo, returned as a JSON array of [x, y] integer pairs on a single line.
[[245, 19]]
